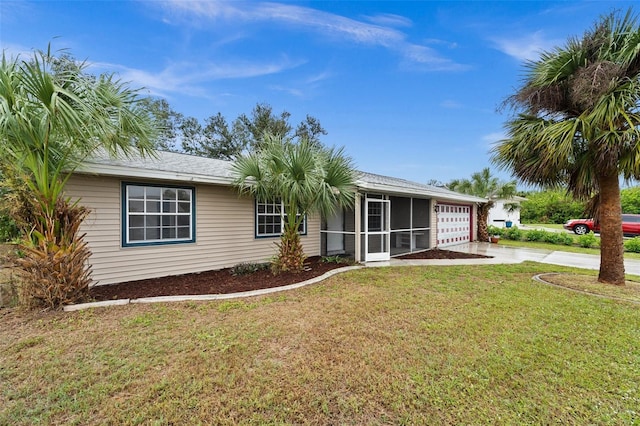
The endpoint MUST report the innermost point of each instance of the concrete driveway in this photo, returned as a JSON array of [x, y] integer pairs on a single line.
[[506, 254]]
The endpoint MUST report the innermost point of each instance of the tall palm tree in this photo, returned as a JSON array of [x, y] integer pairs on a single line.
[[483, 184], [306, 177], [578, 125], [52, 116]]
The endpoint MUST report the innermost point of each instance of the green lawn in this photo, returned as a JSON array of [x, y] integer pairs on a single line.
[[544, 225], [412, 345]]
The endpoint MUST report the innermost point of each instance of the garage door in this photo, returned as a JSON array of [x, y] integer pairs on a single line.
[[454, 224]]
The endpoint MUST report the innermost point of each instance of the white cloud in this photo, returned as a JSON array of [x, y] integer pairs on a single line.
[[492, 138], [185, 77], [329, 25], [389, 19], [11, 51], [525, 48]]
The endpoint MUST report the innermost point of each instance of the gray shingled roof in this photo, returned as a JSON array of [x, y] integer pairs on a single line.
[[190, 168]]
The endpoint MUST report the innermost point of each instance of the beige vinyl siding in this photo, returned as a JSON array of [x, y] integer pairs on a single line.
[[225, 233], [433, 225]]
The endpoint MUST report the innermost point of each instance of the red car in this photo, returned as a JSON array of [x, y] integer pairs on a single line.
[[630, 225]]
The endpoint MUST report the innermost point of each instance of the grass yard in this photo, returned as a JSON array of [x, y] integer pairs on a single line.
[[544, 225], [410, 345]]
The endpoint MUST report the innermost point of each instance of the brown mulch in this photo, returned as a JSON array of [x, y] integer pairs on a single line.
[[223, 282]]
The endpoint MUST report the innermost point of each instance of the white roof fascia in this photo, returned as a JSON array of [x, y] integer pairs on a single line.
[[133, 172], [414, 191]]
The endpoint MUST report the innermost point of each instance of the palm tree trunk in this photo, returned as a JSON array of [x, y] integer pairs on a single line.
[[483, 215], [611, 245]]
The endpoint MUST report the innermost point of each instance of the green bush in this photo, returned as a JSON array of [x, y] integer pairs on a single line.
[[337, 259], [550, 207], [558, 238], [513, 233], [535, 235], [587, 240], [632, 245], [249, 268], [494, 230], [8, 229]]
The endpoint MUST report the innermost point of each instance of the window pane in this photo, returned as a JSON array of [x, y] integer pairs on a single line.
[[261, 208], [169, 194], [184, 195], [168, 233], [136, 234], [168, 207], [136, 206], [136, 192], [184, 220], [153, 233], [183, 232], [152, 220], [153, 193], [184, 207], [168, 221], [153, 207], [136, 221]]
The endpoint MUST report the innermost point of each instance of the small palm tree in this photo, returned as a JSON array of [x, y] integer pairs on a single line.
[[578, 126], [306, 177], [483, 184], [52, 116]]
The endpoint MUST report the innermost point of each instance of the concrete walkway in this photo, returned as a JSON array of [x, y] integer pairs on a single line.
[[508, 254]]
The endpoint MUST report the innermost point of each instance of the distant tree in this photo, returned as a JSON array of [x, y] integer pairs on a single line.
[[578, 126], [166, 121], [216, 138], [483, 184], [551, 206], [630, 200], [436, 182], [306, 177]]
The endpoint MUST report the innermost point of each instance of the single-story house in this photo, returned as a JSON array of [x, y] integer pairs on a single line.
[[501, 213], [177, 213]]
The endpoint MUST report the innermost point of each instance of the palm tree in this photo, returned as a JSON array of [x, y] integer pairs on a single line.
[[577, 126], [483, 184], [306, 177], [52, 116]]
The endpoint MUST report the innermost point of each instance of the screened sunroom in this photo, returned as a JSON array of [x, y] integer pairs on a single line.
[[392, 217]]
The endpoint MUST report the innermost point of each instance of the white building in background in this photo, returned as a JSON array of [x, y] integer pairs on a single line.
[[501, 215]]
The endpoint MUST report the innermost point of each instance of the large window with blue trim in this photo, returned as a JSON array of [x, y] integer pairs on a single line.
[[270, 217], [157, 214]]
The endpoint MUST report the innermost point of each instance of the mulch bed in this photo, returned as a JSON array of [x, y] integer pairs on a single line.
[[223, 282]]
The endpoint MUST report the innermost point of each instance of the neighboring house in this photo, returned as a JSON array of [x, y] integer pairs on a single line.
[[499, 214], [177, 214]]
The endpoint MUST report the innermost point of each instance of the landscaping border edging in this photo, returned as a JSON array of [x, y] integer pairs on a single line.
[[204, 297], [603, 296]]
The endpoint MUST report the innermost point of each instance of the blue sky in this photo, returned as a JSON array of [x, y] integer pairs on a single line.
[[410, 89]]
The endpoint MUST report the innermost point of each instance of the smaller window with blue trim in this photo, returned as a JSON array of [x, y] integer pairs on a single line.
[[270, 217], [157, 214]]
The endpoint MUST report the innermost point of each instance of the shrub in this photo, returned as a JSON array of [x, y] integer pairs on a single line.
[[632, 245], [512, 234], [536, 235], [336, 259], [8, 228], [248, 268], [587, 240], [558, 238], [494, 230]]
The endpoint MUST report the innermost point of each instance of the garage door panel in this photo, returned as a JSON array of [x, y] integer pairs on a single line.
[[454, 224]]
